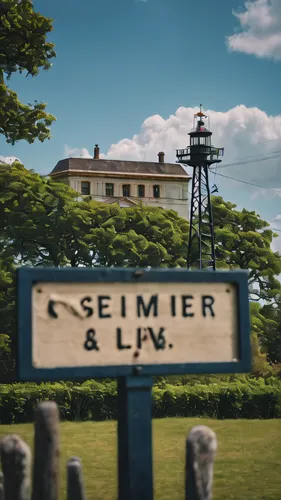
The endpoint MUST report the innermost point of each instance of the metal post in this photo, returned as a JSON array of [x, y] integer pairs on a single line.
[[189, 249], [200, 264], [201, 245], [135, 474], [211, 220]]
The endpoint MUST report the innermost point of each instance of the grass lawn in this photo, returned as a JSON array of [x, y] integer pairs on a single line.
[[248, 463]]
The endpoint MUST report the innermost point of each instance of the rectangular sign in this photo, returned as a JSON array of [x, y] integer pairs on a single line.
[[111, 322]]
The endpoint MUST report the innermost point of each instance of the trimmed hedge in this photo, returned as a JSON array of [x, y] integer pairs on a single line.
[[98, 400]]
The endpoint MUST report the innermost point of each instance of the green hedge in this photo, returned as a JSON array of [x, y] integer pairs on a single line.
[[98, 400]]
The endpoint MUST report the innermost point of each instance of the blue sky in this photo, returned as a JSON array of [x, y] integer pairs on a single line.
[[128, 74]]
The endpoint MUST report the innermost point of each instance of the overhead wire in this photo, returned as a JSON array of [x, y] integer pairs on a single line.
[[242, 161], [276, 190], [247, 160], [252, 159], [255, 156]]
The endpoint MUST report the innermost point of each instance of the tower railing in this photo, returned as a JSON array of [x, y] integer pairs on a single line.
[[212, 154]]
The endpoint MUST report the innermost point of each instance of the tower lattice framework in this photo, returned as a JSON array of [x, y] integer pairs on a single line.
[[200, 154]]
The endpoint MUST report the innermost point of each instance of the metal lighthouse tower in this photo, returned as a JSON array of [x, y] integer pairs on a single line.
[[200, 154]]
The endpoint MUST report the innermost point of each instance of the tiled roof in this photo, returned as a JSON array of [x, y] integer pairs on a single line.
[[118, 166]]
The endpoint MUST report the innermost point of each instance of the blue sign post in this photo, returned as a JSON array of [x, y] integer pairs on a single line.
[[131, 324]]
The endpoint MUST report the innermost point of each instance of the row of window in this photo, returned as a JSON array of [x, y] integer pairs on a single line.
[[126, 189], [203, 141]]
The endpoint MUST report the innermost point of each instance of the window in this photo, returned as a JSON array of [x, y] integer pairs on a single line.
[[126, 188], [85, 188], [141, 191], [109, 189], [202, 141], [194, 141], [156, 191]]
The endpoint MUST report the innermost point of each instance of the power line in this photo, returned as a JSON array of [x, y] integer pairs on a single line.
[[249, 183], [255, 156], [248, 160], [259, 155], [254, 159]]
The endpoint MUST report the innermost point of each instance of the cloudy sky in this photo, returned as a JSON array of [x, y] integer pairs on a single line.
[[130, 74]]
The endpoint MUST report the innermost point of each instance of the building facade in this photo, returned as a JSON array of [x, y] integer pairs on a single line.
[[127, 183]]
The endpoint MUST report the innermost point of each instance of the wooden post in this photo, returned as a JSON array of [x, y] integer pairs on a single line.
[[1, 486], [201, 446], [16, 466], [46, 452], [75, 484]]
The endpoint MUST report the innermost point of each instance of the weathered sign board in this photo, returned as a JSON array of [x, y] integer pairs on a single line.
[[131, 324], [119, 322]]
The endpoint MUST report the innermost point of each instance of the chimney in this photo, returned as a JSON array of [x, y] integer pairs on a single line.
[[161, 157], [96, 152]]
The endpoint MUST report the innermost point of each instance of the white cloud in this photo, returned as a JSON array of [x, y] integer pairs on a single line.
[[76, 152], [243, 132], [260, 33], [70, 152], [246, 134], [9, 160]]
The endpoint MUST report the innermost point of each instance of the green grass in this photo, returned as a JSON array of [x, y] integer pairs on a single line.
[[247, 466]]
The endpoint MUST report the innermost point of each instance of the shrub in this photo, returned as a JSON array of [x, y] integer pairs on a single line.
[[92, 400]]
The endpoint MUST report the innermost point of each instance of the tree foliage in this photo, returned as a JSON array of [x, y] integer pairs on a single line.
[[42, 223], [45, 225], [243, 241], [270, 337], [23, 48]]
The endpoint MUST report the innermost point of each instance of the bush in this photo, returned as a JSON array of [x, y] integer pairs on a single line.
[[94, 400]]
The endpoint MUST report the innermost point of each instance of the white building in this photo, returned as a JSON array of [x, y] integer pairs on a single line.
[[127, 182]]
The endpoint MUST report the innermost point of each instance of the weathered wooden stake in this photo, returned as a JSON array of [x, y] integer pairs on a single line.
[[46, 452], [75, 485], [201, 446], [1, 486], [16, 466]]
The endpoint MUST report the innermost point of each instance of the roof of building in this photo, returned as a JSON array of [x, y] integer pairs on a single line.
[[90, 165]]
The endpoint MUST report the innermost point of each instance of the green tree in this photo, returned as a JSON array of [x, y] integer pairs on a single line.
[[133, 237], [243, 240], [7, 315], [45, 223], [42, 223], [23, 48], [271, 333], [259, 324]]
